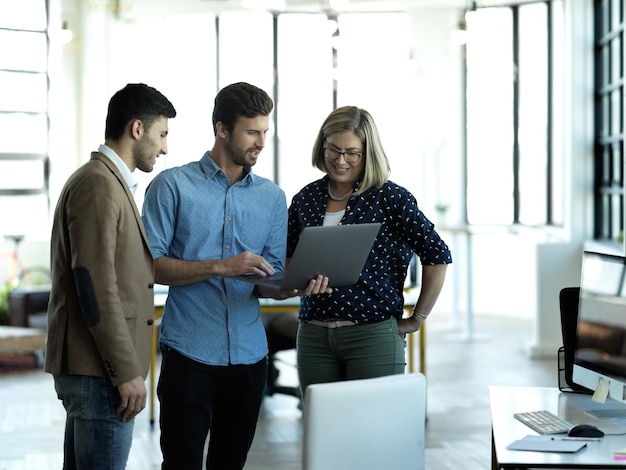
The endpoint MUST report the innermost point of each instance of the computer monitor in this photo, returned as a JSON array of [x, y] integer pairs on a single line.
[[600, 352]]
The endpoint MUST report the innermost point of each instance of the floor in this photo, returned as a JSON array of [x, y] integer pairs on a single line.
[[458, 370]]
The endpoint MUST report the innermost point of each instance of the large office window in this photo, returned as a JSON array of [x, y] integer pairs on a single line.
[[246, 53], [24, 161], [514, 155], [325, 61], [304, 92], [308, 62], [188, 79], [609, 120], [374, 71]]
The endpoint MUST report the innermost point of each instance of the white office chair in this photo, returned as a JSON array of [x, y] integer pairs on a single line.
[[369, 424]]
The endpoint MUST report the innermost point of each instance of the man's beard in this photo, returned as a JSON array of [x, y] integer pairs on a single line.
[[142, 156], [239, 156]]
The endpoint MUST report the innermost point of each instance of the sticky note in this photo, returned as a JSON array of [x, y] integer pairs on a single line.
[[621, 452], [602, 391]]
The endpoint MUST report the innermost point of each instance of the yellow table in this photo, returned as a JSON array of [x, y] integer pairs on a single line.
[[278, 306]]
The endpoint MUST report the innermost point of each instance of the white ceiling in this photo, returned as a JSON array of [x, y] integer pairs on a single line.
[[138, 8]]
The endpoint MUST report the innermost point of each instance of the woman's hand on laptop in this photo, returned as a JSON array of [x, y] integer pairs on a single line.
[[317, 285]]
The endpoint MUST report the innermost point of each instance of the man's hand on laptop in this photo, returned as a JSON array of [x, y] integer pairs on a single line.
[[247, 263]]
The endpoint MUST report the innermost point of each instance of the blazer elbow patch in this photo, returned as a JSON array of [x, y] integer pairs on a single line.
[[87, 296]]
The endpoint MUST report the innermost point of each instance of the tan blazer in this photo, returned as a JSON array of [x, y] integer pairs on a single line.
[[100, 315]]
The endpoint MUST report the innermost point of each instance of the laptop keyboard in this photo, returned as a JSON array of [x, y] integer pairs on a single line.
[[543, 422]]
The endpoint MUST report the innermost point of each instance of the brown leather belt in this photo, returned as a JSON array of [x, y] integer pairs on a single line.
[[332, 323]]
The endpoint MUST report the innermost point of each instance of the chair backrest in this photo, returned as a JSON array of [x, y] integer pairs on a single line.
[[367, 424], [568, 304]]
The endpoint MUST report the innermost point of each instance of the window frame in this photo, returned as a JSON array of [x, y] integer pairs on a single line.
[[44, 157], [552, 217], [608, 148]]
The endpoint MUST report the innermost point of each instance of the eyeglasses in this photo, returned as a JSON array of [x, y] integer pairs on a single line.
[[350, 156]]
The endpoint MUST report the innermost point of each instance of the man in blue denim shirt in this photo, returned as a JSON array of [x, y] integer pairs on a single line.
[[208, 221]]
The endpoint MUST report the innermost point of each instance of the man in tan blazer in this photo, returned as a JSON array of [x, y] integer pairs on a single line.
[[100, 315]]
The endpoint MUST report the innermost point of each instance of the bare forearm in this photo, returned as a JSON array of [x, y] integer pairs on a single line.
[[176, 272], [432, 283], [433, 277]]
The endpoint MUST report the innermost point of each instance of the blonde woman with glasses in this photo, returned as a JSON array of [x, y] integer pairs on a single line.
[[358, 331]]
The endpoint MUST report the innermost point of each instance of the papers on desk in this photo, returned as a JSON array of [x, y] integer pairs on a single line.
[[620, 454], [549, 444]]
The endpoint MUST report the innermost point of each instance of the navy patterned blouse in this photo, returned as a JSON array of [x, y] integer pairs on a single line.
[[378, 294]]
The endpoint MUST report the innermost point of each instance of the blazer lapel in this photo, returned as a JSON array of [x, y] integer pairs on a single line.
[[116, 172]]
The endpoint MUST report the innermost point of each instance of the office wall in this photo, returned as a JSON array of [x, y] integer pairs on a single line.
[[511, 273]]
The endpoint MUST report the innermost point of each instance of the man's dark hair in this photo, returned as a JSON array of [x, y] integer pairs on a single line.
[[135, 101], [240, 100]]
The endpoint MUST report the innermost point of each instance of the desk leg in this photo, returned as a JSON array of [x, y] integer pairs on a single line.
[[470, 290], [494, 459], [158, 312], [423, 348], [152, 366], [411, 345]]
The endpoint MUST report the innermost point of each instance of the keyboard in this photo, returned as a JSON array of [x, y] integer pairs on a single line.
[[543, 422]]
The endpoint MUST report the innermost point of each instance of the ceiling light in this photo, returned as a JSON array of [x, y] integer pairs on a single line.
[[338, 5], [66, 34]]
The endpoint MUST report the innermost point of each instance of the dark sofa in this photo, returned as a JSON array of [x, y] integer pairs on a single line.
[[28, 306]]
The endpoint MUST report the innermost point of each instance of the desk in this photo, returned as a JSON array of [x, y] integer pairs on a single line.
[[504, 401], [278, 306]]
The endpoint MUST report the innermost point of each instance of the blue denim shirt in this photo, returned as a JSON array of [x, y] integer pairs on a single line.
[[378, 294], [191, 213]]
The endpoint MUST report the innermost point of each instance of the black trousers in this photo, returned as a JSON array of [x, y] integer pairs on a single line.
[[198, 399]]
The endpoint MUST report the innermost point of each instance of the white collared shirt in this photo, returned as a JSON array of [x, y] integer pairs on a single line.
[[130, 179]]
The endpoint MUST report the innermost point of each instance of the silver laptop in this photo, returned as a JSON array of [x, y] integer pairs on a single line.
[[336, 251]]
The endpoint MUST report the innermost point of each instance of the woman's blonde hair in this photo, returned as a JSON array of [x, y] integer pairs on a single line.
[[360, 122]]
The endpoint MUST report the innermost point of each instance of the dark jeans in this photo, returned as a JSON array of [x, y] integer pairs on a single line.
[[197, 398], [95, 435]]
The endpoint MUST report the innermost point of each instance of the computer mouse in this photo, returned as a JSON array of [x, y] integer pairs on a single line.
[[585, 430]]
